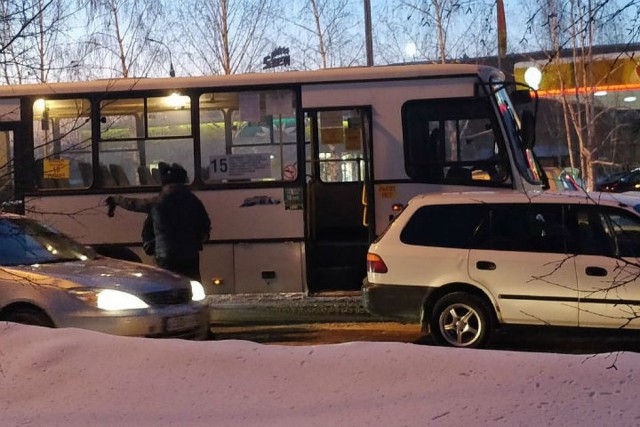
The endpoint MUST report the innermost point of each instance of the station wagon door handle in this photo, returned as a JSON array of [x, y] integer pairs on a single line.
[[595, 271], [485, 265]]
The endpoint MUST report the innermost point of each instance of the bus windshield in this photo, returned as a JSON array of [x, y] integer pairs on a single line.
[[524, 157]]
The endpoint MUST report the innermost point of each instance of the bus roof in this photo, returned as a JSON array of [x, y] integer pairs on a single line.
[[387, 72]]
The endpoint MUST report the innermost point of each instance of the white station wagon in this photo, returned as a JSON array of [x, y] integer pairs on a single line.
[[463, 264]]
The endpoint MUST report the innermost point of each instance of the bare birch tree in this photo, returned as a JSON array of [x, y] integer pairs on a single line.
[[48, 40], [326, 34], [121, 35], [438, 30], [29, 35], [224, 37], [576, 26], [27, 31]]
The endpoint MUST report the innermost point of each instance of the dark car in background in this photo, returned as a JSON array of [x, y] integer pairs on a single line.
[[620, 182], [48, 279]]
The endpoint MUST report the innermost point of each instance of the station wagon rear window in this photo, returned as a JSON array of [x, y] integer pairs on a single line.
[[446, 226]]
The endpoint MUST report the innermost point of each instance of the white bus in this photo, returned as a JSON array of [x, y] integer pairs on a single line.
[[299, 171]]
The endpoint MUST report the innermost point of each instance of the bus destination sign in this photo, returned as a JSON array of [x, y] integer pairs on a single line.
[[240, 166]]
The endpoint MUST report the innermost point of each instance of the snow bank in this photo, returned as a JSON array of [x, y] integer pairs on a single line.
[[69, 377]]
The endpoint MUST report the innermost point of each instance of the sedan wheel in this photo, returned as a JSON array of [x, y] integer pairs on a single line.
[[461, 320], [29, 316]]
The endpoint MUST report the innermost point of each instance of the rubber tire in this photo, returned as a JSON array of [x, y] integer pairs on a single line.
[[28, 316], [472, 325]]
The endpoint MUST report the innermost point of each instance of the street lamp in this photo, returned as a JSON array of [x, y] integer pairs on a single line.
[[533, 77], [410, 50], [172, 72]]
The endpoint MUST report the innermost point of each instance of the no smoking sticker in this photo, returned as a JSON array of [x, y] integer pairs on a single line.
[[290, 172]]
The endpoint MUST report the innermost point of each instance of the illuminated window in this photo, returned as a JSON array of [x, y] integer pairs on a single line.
[[62, 143], [136, 134], [248, 136]]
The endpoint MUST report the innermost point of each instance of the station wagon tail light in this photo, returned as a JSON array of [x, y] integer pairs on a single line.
[[375, 264]]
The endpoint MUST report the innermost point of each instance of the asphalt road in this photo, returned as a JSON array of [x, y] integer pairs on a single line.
[[318, 333], [296, 319], [537, 339]]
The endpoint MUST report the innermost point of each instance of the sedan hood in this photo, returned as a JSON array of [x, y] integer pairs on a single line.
[[107, 273]]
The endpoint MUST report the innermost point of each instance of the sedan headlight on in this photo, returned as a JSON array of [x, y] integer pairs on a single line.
[[110, 299], [197, 291]]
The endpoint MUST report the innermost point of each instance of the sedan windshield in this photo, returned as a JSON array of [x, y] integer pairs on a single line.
[[26, 242]]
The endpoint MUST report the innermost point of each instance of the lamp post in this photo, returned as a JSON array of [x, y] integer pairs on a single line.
[[172, 71]]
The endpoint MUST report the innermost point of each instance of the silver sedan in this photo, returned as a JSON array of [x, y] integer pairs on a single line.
[[48, 279]]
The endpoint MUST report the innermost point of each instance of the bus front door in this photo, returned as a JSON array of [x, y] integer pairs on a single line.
[[339, 215]]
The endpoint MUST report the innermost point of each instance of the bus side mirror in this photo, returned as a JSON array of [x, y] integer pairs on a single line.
[[528, 129], [521, 97]]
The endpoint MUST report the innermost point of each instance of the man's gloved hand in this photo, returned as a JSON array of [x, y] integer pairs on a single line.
[[111, 203]]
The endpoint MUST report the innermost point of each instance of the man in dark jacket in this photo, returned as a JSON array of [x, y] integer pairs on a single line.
[[180, 222]]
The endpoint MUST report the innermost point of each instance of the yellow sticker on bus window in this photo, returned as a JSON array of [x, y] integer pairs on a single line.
[[331, 119], [352, 139], [55, 168], [331, 136]]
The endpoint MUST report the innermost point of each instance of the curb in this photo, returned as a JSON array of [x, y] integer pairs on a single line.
[[288, 308]]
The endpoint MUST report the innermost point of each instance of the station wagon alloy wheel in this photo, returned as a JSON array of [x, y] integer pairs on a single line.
[[460, 320], [459, 325]]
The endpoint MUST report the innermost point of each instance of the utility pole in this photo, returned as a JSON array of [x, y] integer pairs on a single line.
[[367, 32], [502, 33]]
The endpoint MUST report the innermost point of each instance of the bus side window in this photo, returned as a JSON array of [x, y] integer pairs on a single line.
[[62, 141], [106, 177], [134, 139], [147, 177], [119, 175], [452, 141], [248, 136]]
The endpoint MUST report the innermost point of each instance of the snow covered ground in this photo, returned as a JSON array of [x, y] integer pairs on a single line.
[[69, 377]]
